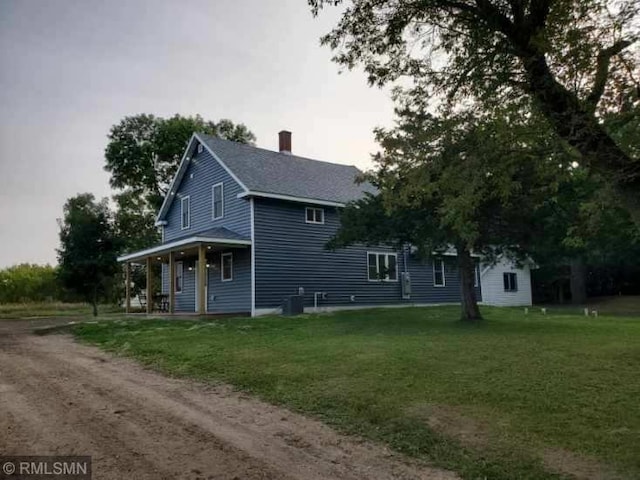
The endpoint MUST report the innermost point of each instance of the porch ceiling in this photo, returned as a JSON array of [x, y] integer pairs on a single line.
[[183, 247]]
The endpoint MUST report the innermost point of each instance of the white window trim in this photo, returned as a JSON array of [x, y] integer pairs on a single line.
[[188, 199], [306, 215], [476, 276], [213, 200], [230, 255], [387, 254], [173, 280], [444, 279]]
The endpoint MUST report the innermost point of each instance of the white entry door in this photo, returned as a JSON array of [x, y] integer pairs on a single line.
[[206, 288]]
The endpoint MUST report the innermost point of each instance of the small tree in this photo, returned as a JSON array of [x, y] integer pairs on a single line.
[[88, 249]]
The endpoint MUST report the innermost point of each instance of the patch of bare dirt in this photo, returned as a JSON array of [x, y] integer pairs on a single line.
[[60, 397], [450, 421], [580, 467]]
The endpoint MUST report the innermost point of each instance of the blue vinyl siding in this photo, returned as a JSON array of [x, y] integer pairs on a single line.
[[202, 173], [186, 300], [290, 254], [235, 295]]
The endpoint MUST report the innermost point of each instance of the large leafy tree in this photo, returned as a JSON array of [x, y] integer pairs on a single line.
[[144, 151], [573, 61], [471, 182], [142, 156], [88, 249]]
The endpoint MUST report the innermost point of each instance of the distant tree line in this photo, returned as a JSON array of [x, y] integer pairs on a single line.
[[29, 283]]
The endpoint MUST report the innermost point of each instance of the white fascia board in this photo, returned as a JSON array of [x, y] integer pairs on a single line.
[[180, 243], [179, 174], [290, 198], [222, 164]]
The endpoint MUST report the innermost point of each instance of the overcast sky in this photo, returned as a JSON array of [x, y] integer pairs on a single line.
[[71, 69]]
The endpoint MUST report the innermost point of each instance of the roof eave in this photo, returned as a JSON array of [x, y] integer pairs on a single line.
[[167, 247], [291, 198]]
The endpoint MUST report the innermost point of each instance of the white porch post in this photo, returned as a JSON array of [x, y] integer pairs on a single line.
[[127, 287], [149, 287], [202, 268], [172, 282]]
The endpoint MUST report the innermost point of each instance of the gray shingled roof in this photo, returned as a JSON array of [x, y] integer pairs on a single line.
[[221, 233], [266, 171]]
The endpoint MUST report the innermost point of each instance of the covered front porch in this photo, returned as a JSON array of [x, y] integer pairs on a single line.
[[192, 277]]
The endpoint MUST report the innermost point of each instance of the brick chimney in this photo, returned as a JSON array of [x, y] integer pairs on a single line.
[[285, 141]]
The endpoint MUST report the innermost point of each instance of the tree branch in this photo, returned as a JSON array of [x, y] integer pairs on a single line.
[[494, 17], [538, 13], [602, 70]]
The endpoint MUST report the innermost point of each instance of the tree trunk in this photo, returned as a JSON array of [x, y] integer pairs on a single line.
[[467, 267], [560, 287], [580, 128], [94, 301], [578, 281]]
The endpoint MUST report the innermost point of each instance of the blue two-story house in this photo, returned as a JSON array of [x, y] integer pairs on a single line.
[[243, 228]]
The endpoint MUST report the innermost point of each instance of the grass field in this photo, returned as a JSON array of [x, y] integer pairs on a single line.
[[51, 309], [519, 396]]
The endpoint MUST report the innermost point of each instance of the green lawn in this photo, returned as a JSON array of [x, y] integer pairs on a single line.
[[51, 309], [487, 401]]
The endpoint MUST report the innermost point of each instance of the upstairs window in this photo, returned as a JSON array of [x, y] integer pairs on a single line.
[[179, 266], [185, 212], [217, 200], [226, 269], [382, 267], [510, 280], [314, 215], [438, 273]]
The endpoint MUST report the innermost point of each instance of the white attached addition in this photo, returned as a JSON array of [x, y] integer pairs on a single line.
[[506, 284]]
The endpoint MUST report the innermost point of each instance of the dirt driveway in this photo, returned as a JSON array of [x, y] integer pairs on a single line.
[[60, 397]]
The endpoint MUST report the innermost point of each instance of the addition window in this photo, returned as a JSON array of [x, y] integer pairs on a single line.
[[226, 269], [382, 267], [217, 200], [185, 212], [438, 273], [510, 282], [177, 281], [314, 215]]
